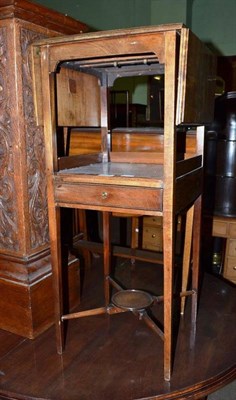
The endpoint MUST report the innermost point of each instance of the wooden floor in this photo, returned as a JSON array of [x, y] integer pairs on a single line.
[[118, 357]]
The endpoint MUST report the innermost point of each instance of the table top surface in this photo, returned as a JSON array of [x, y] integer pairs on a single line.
[[115, 173], [127, 170]]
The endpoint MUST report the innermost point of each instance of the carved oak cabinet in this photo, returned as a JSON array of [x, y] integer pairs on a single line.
[[25, 269]]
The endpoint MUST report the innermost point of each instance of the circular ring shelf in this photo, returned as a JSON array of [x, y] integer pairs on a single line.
[[132, 299]]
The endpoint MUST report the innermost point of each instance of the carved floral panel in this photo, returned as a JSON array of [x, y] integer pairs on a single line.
[[8, 206], [38, 215]]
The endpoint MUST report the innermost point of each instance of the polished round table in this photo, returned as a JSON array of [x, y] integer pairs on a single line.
[[118, 357]]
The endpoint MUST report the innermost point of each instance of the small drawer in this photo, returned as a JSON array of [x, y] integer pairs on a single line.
[[108, 196], [231, 248], [232, 230], [152, 221], [153, 239], [220, 228], [230, 269]]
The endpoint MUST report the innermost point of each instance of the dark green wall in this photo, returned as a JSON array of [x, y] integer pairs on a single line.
[[212, 20], [104, 14]]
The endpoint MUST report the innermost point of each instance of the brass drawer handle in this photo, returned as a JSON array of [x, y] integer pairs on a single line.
[[234, 268], [153, 235], [104, 195]]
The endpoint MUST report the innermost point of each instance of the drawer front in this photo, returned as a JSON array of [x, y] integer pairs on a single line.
[[230, 269], [232, 230], [152, 221], [109, 196], [231, 248], [220, 228], [153, 239]]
